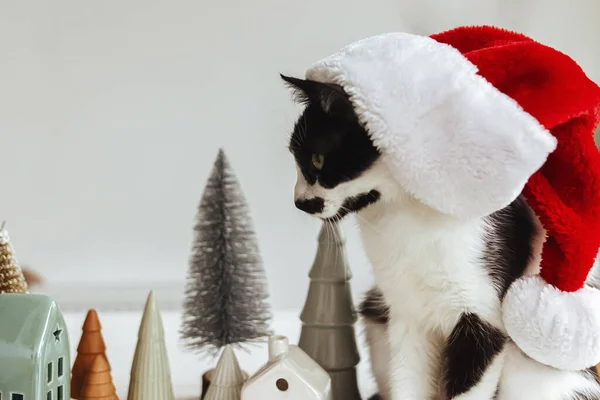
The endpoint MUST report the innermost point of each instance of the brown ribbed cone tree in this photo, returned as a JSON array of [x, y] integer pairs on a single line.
[[98, 384], [11, 276], [90, 346]]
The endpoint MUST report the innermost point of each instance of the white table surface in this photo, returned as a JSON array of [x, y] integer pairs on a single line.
[[120, 335]]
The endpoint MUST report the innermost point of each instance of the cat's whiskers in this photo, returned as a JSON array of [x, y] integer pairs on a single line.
[[330, 230], [337, 239], [303, 127], [294, 140]]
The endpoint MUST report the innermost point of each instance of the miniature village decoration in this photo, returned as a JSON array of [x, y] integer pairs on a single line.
[[227, 237], [289, 374], [225, 265], [34, 343], [34, 347]]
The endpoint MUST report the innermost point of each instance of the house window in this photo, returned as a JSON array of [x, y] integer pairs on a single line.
[[16, 396], [60, 368], [282, 384], [59, 395], [50, 372], [49, 395]]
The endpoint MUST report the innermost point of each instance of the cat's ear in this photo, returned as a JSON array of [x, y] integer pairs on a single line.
[[302, 90], [334, 101], [331, 98]]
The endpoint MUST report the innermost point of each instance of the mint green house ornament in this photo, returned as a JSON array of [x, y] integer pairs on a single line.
[[34, 349]]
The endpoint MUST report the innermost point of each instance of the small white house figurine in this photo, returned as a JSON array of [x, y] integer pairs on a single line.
[[289, 374]]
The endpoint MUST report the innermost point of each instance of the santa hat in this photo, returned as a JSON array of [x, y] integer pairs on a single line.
[[469, 119]]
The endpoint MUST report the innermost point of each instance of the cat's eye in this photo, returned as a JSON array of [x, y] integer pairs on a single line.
[[318, 160]]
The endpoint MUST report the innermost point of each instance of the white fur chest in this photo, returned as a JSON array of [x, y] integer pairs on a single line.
[[428, 266]]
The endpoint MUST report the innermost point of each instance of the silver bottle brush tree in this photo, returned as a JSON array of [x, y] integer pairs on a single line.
[[328, 317], [226, 293]]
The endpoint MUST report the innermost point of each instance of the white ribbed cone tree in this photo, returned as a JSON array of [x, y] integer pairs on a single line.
[[150, 372], [228, 379]]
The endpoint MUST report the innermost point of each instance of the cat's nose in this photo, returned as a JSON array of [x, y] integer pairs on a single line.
[[310, 206], [299, 191], [301, 188]]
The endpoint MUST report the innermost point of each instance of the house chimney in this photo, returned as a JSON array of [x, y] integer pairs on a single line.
[[278, 345]]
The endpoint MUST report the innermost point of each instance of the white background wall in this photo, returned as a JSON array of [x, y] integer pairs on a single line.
[[111, 114]]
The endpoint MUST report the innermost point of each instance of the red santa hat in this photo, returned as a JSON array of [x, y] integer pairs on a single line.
[[469, 119]]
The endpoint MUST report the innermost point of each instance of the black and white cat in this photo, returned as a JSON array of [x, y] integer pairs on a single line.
[[433, 320]]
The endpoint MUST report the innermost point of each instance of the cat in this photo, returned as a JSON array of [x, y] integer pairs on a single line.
[[433, 319]]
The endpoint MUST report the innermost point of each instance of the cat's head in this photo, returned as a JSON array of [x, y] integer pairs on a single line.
[[339, 169]]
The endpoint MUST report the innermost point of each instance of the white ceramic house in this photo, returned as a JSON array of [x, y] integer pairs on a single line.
[[290, 374]]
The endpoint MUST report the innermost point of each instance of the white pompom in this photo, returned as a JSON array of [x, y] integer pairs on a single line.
[[559, 329]]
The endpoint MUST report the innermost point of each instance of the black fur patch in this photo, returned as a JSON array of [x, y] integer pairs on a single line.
[[374, 308], [508, 244], [329, 127], [356, 203], [311, 206], [496, 393], [470, 350], [376, 397], [582, 396], [591, 374]]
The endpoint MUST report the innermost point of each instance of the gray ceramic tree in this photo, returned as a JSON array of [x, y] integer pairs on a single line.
[[329, 316], [226, 294]]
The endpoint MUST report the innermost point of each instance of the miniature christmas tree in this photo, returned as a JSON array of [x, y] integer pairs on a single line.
[[11, 276], [228, 379], [150, 372], [98, 384], [226, 291], [90, 346], [329, 315]]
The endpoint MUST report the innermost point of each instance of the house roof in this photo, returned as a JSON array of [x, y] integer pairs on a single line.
[[297, 360], [24, 323]]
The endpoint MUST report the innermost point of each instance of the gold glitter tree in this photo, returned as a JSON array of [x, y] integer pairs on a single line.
[[11, 276]]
